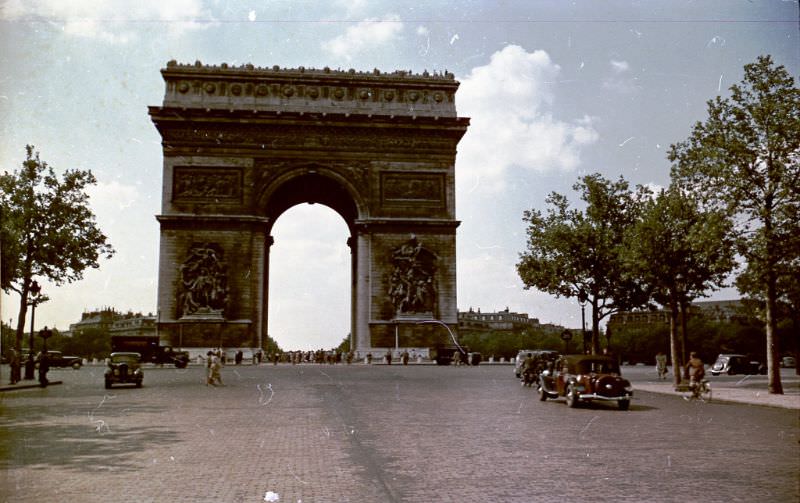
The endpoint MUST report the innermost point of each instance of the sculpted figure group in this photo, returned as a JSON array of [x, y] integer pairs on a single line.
[[411, 285], [203, 280]]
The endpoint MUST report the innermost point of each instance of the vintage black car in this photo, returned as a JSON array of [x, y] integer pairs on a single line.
[[57, 359], [733, 364], [586, 378], [124, 368]]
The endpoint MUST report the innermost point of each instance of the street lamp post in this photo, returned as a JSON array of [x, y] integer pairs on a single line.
[[582, 298], [35, 289]]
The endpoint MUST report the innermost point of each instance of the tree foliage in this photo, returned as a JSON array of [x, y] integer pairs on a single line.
[[48, 229], [745, 158], [679, 252], [572, 252]]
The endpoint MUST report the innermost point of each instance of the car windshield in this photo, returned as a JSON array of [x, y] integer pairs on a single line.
[[597, 367], [124, 359]]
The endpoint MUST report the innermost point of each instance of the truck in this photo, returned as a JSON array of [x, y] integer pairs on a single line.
[[444, 354], [150, 348]]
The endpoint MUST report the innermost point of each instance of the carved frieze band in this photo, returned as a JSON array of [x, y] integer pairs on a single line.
[[418, 188], [274, 138], [312, 92], [207, 183]]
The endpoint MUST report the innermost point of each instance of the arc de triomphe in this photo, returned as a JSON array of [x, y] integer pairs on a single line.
[[241, 145]]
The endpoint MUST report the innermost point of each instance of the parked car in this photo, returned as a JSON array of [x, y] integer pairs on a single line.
[[586, 378], [788, 362], [124, 368], [732, 364], [57, 359]]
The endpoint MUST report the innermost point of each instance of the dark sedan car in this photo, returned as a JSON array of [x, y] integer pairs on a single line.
[[586, 378], [124, 368]]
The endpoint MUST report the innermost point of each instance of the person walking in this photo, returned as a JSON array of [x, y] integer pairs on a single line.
[[215, 374], [661, 365], [16, 373]]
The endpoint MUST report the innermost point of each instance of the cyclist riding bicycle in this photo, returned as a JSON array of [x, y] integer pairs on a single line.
[[696, 372]]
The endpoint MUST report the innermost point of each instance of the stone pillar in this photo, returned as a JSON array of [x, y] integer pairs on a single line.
[[362, 313], [263, 327]]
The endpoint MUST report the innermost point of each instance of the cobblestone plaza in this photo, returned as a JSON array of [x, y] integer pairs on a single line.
[[361, 433]]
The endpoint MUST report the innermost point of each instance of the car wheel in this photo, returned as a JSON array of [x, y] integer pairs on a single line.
[[138, 384], [572, 397], [108, 383], [624, 404]]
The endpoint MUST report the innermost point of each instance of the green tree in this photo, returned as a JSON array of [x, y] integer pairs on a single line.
[[571, 252], [745, 158], [679, 252], [48, 229]]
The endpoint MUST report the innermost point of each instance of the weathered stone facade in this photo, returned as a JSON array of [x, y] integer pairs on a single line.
[[243, 144]]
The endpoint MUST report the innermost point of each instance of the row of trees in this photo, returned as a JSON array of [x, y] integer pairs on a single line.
[[733, 205]]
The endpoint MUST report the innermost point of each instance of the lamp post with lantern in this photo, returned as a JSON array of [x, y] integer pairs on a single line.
[[582, 298], [35, 290]]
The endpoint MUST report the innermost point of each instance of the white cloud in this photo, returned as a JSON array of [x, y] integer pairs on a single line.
[[619, 66], [368, 34], [351, 7], [510, 104], [109, 21], [620, 83]]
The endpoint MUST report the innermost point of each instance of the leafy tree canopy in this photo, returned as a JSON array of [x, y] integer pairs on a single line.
[[48, 229], [573, 253], [745, 158]]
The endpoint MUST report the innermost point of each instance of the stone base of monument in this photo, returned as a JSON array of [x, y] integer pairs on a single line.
[[195, 331]]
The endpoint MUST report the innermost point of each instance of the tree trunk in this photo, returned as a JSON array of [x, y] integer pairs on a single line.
[[684, 331], [773, 348], [677, 362], [23, 312], [595, 330]]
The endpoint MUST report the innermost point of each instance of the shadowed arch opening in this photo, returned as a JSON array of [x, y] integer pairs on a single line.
[[313, 188]]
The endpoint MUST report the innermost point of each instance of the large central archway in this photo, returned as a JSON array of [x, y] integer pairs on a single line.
[[242, 145], [314, 185]]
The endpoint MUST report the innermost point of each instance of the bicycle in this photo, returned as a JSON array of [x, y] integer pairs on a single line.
[[699, 391]]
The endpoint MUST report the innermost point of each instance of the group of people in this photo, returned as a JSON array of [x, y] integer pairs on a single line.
[[17, 363]]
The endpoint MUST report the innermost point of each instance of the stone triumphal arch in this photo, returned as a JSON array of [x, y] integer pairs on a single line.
[[241, 145]]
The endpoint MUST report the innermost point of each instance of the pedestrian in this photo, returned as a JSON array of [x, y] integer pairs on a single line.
[[661, 365], [215, 375], [15, 367], [238, 357], [388, 357], [404, 357], [369, 358], [44, 366]]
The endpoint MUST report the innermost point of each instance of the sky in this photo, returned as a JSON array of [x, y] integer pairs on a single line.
[[555, 90]]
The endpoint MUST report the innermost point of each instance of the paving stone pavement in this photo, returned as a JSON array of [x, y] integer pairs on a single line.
[[380, 434]]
